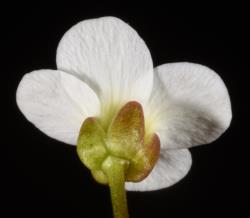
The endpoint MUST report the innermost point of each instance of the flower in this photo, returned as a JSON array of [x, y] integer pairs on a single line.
[[102, 66]]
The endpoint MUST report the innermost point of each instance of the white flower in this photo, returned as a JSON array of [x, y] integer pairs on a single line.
[[103, 64]]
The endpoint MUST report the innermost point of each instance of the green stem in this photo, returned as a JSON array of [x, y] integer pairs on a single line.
[[115, 169]]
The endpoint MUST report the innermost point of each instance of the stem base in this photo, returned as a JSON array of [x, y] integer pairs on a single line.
[[115, 169]]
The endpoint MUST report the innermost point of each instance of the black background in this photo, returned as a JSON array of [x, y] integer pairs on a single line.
[[44, 178]]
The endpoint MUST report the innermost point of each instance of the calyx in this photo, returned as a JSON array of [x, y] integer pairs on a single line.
[[125, 140]]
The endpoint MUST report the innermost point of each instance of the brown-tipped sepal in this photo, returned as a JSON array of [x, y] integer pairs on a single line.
[[144, 161], [126, 132], [126, 139]]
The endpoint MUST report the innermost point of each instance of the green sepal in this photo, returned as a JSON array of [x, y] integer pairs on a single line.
[[91, 148]]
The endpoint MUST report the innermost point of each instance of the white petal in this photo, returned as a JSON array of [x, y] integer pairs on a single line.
[[111, 57], [190, 105], [171, 167], [56, 103]]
